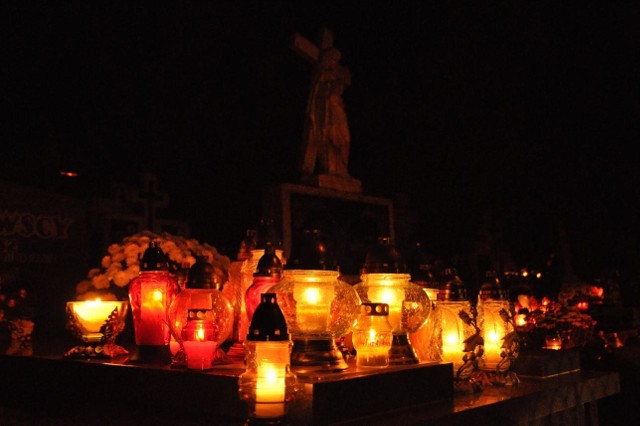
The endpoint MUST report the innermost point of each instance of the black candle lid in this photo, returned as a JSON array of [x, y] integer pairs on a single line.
[[268, 323], [201, 275], [311, 253], [154, 258], [269, 265], [452, 288], [384, 257], [374, 309]]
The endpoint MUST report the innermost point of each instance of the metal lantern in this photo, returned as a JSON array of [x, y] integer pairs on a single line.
[[385, 280], [317, 305]]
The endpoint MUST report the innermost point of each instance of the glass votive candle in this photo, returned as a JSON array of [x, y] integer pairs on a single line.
[[372, 336], [199, 340], [553, 341]]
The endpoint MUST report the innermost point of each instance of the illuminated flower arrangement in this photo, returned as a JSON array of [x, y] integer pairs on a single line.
[[122, 263], [549, 317], [582, 293]]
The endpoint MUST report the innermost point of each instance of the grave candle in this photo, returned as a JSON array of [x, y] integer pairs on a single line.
[[92, 314], [198, 340]]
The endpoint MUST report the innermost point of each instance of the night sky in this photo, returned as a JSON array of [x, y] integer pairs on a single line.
[[528, 110]]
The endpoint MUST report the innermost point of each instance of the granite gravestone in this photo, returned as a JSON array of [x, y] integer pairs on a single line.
[[43, 249]]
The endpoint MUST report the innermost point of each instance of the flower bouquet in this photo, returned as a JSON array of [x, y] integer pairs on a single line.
[[122, 263], [575, 327]]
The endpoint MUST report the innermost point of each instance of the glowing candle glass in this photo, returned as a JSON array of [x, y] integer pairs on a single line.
[[318, 308], [372, 336], [451, 330], [553, 341], [150, 294], [492, 299], [217, 310], [409, 308], [317, 305], [384, 281], [267, 384], [199, 338], [97, 323]]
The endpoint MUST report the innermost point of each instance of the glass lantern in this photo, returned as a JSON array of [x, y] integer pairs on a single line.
[[253, 248], [97, 324], [317, 305], [200, 338], [150, 295], [425, 274], [372, 336], [218, 311], [385, 280], [452, 331], [267, 383], [268, 274], [493, 319]]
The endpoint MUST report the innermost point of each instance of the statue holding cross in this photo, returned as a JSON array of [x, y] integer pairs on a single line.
[[326, 141]]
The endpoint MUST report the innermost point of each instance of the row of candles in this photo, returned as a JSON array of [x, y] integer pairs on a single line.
[[296, 314]]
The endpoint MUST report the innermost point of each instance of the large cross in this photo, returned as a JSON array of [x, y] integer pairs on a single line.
[[151, 198], [307, 49], [325, 149]]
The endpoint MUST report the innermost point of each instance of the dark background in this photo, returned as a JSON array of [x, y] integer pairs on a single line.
[[525, 112]]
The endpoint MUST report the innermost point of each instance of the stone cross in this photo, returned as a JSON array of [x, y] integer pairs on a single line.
[[151, 198]]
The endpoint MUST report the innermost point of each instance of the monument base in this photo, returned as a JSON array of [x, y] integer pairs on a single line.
[[350, 222], [542, 363], [339, 183]]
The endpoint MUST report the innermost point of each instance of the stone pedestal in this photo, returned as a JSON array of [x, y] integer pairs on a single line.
[[335, 182], [350, 222]]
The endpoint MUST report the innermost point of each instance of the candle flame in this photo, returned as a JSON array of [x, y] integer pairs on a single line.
[[271, 375], [451, 338], [200, 335], [372, 336], [312, 295], [492, 336]]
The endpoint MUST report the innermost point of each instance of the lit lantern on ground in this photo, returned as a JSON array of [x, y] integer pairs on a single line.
[[199, 294], [267, 384], [372, 336], [199, 339], [492, 302], [318, 307], [452, 331], [150, 295], [385, 280]]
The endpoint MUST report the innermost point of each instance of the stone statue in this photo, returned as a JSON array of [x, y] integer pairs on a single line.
[[326, 141], [326, 133]]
